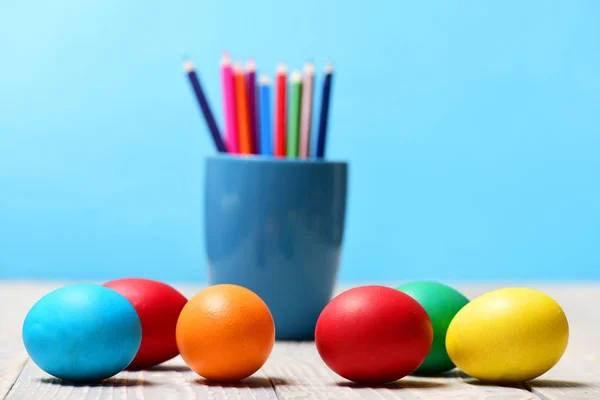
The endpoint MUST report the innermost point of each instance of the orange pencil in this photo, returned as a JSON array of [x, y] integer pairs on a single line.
[[243, 116]]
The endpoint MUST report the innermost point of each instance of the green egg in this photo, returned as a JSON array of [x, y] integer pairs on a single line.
[[442, 303]]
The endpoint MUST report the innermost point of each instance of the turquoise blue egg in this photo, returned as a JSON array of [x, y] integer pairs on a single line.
[[82, 333]]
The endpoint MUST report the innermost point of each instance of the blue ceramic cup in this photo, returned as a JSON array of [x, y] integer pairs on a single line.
[[276, 226]]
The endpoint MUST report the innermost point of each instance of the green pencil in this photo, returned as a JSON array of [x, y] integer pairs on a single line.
[[294, 114]]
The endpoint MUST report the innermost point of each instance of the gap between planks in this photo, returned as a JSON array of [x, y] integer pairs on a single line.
[[575, 377], [172, 380], [10, 372], [294, 371]]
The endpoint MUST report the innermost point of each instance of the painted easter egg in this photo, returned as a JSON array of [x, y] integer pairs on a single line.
[[508, 335], [82, 333], [373, 334], [441, 303], [158, 306], [225, 333]]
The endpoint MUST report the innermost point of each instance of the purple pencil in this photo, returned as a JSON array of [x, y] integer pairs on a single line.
[[306, 111], [188, 66], [251, 90]]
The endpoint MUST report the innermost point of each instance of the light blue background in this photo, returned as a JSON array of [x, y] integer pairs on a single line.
[[472, 128]]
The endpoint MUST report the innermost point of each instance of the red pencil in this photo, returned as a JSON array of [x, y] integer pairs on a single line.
[[280, 105]]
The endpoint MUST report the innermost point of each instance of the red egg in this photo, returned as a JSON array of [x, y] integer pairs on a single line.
[[373, 334], [158, 305]]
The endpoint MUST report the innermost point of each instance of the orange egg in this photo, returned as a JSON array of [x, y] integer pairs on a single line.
[[225, 333]]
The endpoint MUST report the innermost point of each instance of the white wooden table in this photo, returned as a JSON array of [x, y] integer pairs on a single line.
[[295, 371]]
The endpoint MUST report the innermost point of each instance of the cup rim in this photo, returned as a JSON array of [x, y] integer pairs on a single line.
[[259, 158]]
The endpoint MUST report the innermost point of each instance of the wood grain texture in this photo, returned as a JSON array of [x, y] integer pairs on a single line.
[[172, 380], [16, 298], [295, 371], [299, 373], [10, 371]]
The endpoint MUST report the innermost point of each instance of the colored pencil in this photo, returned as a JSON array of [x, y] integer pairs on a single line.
[[251, 90], [231, 135], [325, 99], [294, 114], [265, 120], [241, 105], [281, 83], [188, 66], [306, 114]]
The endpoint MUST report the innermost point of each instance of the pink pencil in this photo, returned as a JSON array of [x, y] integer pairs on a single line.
[[231, 133], [306, 110]]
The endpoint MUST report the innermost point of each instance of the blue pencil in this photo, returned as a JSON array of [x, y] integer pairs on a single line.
[[208, 115], [322, 133], [265, 122]]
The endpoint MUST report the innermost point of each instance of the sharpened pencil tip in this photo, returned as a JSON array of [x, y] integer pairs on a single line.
[[281, 68], [329, 68], [188, 66], [296, 76], [237, 67], [309, 68], [264, 80], [250, 65], [225, 59]]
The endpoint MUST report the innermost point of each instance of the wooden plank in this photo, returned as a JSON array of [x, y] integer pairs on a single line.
[[172, 380], [9, 372], [17, 298], [299, 373], [294, 369]]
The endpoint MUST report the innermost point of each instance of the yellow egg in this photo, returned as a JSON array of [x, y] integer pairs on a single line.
[[508, 335]]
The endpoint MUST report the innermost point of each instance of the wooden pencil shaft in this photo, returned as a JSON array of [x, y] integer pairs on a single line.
[[280, 116], [265, 120], [323, 119], [206, 111], [251, 91], [294, 118], [306, 114], [242, 114], [229, 109]]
